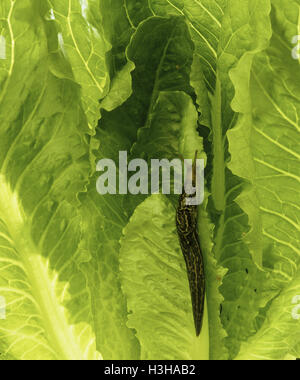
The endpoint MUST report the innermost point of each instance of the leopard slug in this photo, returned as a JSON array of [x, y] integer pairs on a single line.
[[186, 222]]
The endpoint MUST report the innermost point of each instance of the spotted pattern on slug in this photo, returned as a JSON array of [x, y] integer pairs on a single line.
[[187, 229]]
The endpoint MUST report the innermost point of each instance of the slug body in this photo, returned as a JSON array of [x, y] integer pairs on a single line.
[[186, 222]]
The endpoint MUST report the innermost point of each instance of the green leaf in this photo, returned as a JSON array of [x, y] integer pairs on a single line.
[[117, 132], [163, 66], [118, 31], [85, 48], [48, 310], [223, 32], [120, 89], [47, 300], [155, 281], [171, 134], [204, 18], [276, 161], [214, 274], [83, 274], [202, 96], [231, 222], [103, 222], [172, 131], [267, 133], [280, 334]]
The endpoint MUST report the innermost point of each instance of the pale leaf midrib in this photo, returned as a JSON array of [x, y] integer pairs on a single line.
[[57, 330], [218, 182]]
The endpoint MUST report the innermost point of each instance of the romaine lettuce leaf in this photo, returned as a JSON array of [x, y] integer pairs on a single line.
[[85, 48], [118, 31], [223, 32], [155, 282], [104, 217], [265, 151], [86, 276], [44, 163]]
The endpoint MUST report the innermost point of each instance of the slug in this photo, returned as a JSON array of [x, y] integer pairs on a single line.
[[186, 222]]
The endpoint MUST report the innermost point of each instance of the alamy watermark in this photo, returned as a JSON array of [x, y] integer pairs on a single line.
[[188, 175], [2, 47], [2, 308], [296, 309], [296, 49]]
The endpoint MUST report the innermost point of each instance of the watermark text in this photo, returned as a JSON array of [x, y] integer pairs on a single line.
[[2, 308], [187, 177], [296, 49], [296, 309]]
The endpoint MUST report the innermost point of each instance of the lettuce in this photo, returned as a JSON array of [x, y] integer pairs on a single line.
[[85, 276]]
